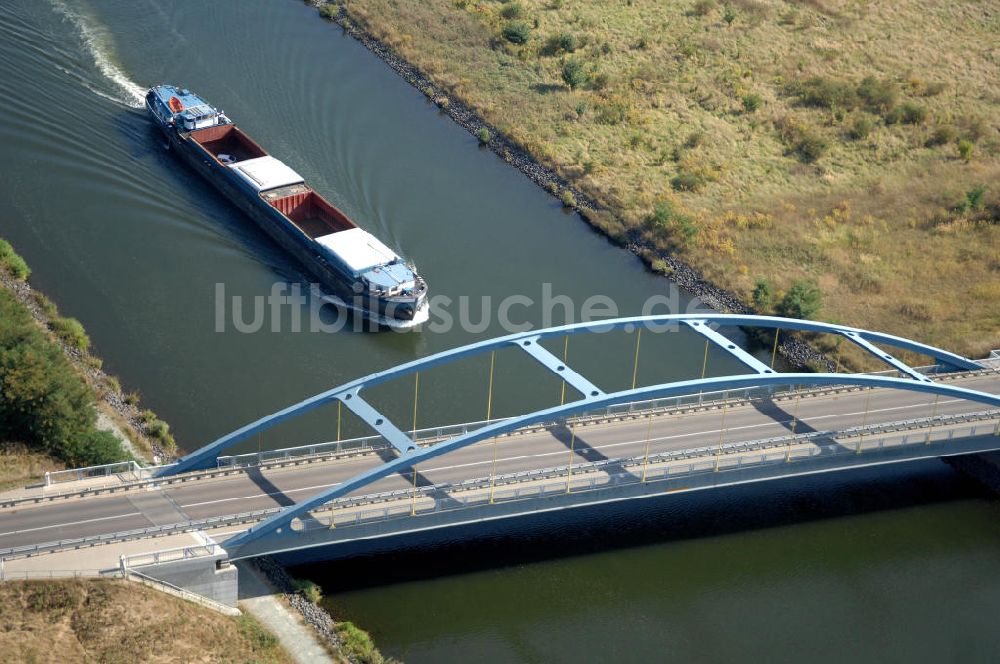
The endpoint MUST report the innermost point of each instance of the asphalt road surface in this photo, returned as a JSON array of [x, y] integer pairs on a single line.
[[257, 489]]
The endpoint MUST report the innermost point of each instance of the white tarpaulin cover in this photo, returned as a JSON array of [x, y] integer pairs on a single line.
[[265, 173], [358, 249]]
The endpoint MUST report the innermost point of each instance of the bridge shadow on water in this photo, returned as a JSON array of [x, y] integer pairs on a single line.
[[630, 524]]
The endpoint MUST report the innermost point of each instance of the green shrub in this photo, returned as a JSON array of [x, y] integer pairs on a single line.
[[670, 225], [660, 266], [913, 113], [309, 590], [861, 127], [512, 10], [92, 448], [44, 401], [941, 136], [763, 296], [484, 135], [965, 149], [573, 73], [613, 112], [878, 95], [159, 430], [568, 199], [47, 306], [908, 113], [974, 199], [516, 32], [687, 181], [564, 42], [132, 399], [803, 300], [14, 264], [71, 332], [810, 147], [752, 102], [729, 15], [357, 644], [330, 11], [822, 92], [580, 108]]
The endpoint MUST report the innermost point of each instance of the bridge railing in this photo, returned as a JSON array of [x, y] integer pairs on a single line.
[[605, 474], [90, 472], [171, 555], [434, 434], [872, 436]]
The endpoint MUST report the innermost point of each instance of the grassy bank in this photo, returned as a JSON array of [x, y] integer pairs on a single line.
[[117, 621], [850, 146], [58, 407]]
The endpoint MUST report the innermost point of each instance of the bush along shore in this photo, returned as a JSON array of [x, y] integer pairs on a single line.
[[343, 638], [795, 352], [57, 399]]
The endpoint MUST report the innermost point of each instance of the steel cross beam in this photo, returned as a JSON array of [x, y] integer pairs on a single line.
[[206, 455], [726, 344], [377, 421], [531, 346], [279, 523], [885, 357]]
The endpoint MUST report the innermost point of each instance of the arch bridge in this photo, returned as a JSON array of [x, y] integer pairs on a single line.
[[407, 453]]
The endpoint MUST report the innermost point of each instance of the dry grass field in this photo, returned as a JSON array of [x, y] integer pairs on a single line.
[[117, 621], [20, 466], [852, 144]]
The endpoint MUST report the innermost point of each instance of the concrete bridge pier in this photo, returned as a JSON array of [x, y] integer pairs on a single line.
[[211, 576]]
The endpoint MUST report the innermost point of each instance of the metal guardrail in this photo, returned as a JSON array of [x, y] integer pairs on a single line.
[[722, 451], [79, 474], [584, 478], [142, 476], [138, 533], [704, 400], [25, 575], [171, 555]]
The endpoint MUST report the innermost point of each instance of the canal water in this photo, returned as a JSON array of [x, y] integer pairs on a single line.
[[122, 237]]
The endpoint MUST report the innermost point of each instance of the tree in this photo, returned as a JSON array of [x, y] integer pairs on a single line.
[[763, 296], [516, 32], [573, 74], [803, 300]]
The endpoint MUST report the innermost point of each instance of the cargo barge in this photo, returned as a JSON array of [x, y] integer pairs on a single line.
[[352, 264]]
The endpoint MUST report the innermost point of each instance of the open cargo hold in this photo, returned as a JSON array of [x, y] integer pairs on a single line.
[[228, 141], [308, 210]]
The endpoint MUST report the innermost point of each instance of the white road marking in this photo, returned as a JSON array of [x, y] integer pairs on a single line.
[[71, 523], [258, 495]]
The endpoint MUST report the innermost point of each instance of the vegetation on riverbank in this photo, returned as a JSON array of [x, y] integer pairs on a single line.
[[55, 408], [849, 146], [102, 620]]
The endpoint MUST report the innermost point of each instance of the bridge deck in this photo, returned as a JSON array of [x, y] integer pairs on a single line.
[[272, 487]]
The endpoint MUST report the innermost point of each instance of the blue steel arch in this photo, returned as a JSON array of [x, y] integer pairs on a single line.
[[593, 398], [349, 393], [404, 462]]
